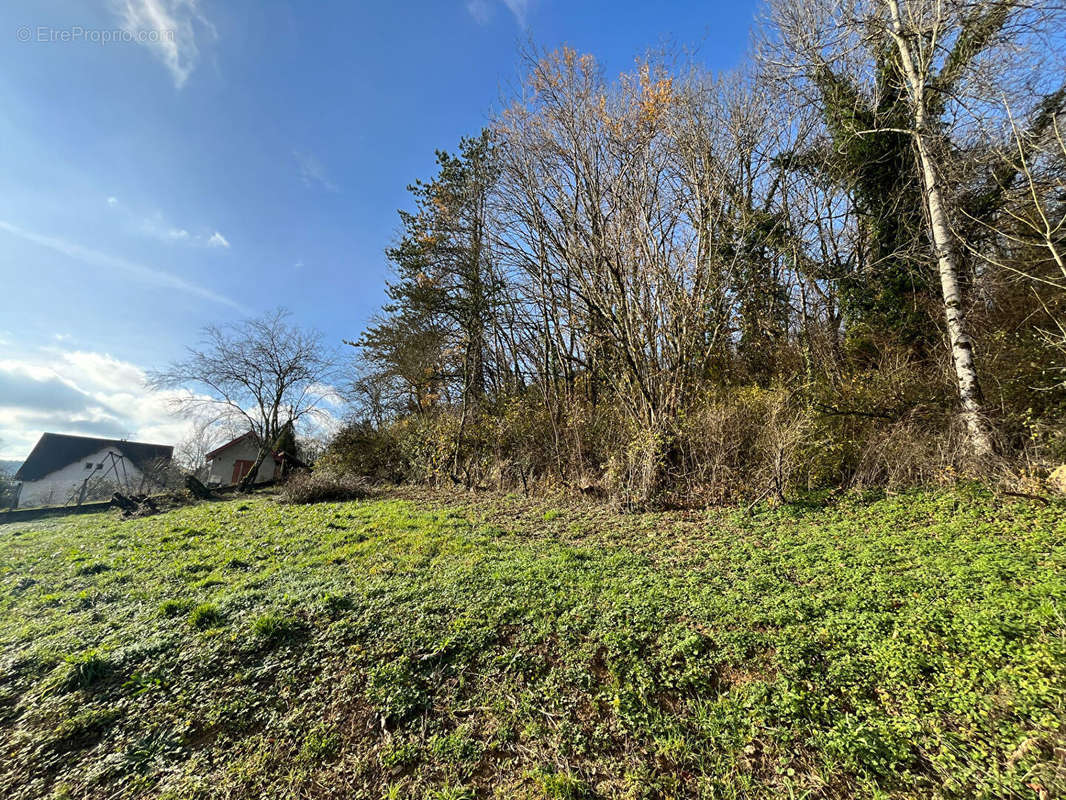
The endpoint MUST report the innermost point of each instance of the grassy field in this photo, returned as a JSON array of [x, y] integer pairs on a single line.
[[910, 646]]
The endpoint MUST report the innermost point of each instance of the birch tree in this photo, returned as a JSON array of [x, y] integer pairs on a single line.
[[915, 38], [945, 56]]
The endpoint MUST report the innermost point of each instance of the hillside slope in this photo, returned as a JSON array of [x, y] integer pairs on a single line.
[[910, 647]]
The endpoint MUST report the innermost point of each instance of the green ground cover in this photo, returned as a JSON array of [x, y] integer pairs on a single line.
[[911, 646]]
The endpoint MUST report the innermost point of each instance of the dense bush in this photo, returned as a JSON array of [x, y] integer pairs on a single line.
[[361, 449], [885, 419], [322, 486]]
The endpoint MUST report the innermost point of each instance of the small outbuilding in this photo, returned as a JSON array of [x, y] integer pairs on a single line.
[[231, 462]]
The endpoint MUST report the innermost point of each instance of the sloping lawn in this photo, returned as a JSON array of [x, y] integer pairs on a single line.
[[910, 647]]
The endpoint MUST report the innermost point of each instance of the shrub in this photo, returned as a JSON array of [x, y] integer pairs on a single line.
[[323, 486], [361, 449], [908, 453], [740, 444], [636, 473]]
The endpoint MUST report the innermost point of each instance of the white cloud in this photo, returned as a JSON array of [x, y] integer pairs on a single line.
[[481, 10], [73, 391], [95, 258], [169, 28], [157, 227], [312, 171], [112, 201]]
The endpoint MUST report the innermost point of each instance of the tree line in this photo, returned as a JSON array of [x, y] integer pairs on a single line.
[[840, 264]]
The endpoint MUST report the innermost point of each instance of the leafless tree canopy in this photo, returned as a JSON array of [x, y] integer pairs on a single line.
[[840, 263], [258, 375]]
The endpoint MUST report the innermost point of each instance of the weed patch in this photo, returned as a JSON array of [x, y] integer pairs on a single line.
[[273, 628], [174, 608], [84, 670]]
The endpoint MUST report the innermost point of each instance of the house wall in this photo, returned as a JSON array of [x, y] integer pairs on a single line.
[[220, 468], [56, 488]]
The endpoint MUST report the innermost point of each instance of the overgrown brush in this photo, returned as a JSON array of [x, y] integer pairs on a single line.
[[323, 486], [727, 446]]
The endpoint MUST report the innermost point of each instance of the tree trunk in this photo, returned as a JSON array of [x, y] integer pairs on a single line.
[[961, 345], [249, 480], [962, 355]]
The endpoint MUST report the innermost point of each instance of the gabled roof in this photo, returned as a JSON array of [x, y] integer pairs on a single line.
[[228, 445], [56, 450], [278, 456]]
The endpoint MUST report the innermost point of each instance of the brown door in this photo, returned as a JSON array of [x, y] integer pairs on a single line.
[[240, 469]]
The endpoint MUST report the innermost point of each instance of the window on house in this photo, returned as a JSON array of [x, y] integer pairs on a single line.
[[88, 465], [100, 466]]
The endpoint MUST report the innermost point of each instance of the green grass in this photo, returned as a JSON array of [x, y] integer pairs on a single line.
[[912, 646]]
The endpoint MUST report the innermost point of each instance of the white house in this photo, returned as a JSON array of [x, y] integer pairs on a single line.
[[64, 469]]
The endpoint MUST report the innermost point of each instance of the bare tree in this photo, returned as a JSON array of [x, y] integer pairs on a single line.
[[1027, 234], [945, 60], [260, 375], [912, 35], [191, 453]]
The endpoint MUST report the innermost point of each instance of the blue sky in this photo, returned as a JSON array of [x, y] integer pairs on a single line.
[[235, 155]]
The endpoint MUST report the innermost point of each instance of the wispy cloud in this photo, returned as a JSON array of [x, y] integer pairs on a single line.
[[312, 171], [520, 9], [159, 228], [96, 258], [482, 10], [169, 28], [112, 201]]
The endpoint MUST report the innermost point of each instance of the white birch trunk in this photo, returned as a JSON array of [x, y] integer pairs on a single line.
[[962, 354]]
